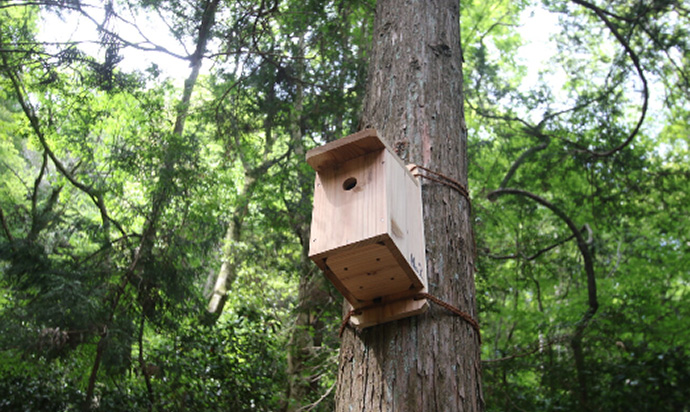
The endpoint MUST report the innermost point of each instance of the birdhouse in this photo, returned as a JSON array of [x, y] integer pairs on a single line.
[[367, 232]]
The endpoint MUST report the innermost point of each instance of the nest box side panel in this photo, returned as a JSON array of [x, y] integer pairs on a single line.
[[405, 222], [398, 306], [415, 215], [349, 206]]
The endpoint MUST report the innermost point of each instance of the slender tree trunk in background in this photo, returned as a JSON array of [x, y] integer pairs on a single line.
[[312, 294], [301, 338], [414, 99], [161, 195], [228, 270], [306, 336]]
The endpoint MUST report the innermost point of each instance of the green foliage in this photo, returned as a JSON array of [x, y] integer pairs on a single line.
[[580, 149], [115, 220], [114, 217], [236, 364], [37, 385]]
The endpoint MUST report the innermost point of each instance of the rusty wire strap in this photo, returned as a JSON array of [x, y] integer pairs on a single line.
[[453, 184], [444, 180], [466, 316]]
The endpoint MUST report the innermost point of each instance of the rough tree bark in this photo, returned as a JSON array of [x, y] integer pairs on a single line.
[[414, 99]]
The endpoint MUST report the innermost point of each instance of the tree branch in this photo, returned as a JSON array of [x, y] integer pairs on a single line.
[[155, 48], [521, 159], [29, 112], [47, 3], [539, 346], [534, 256], [602, 14], [581, 241], [583, 245]]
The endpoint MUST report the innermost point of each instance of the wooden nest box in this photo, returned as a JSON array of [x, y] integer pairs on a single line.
[[367, 232]]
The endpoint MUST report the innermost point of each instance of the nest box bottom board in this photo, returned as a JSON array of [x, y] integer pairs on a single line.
[[370, 272], [372, 278]]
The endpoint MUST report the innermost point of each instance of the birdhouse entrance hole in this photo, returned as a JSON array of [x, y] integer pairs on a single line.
[[349, 183], [367, 233]]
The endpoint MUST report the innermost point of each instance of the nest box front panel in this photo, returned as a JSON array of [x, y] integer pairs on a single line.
[[349, 205]]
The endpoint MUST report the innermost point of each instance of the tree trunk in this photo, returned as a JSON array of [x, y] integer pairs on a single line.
[[161, 195], [306, 336], [228, 269], [312, 295], [429, 362]]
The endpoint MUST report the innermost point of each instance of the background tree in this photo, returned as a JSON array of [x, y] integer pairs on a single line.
[[570, 164], [129, 191]]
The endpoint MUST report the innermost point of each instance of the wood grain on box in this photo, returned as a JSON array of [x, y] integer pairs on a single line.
[[367, 232]]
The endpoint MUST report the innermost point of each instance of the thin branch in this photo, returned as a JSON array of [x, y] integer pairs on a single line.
[[618, 259], [170, 28], [513, 356], [232, 86], [79, 262], [576, 340], [310, 407], [602, 14], [38, 3], [35, 125], [101, 27], [138, 45], [37, 183], [590, 234], [489, 115], [679, 69], [523, 157], [534, 256], [539, 346], [16, 174], [581, 242]]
